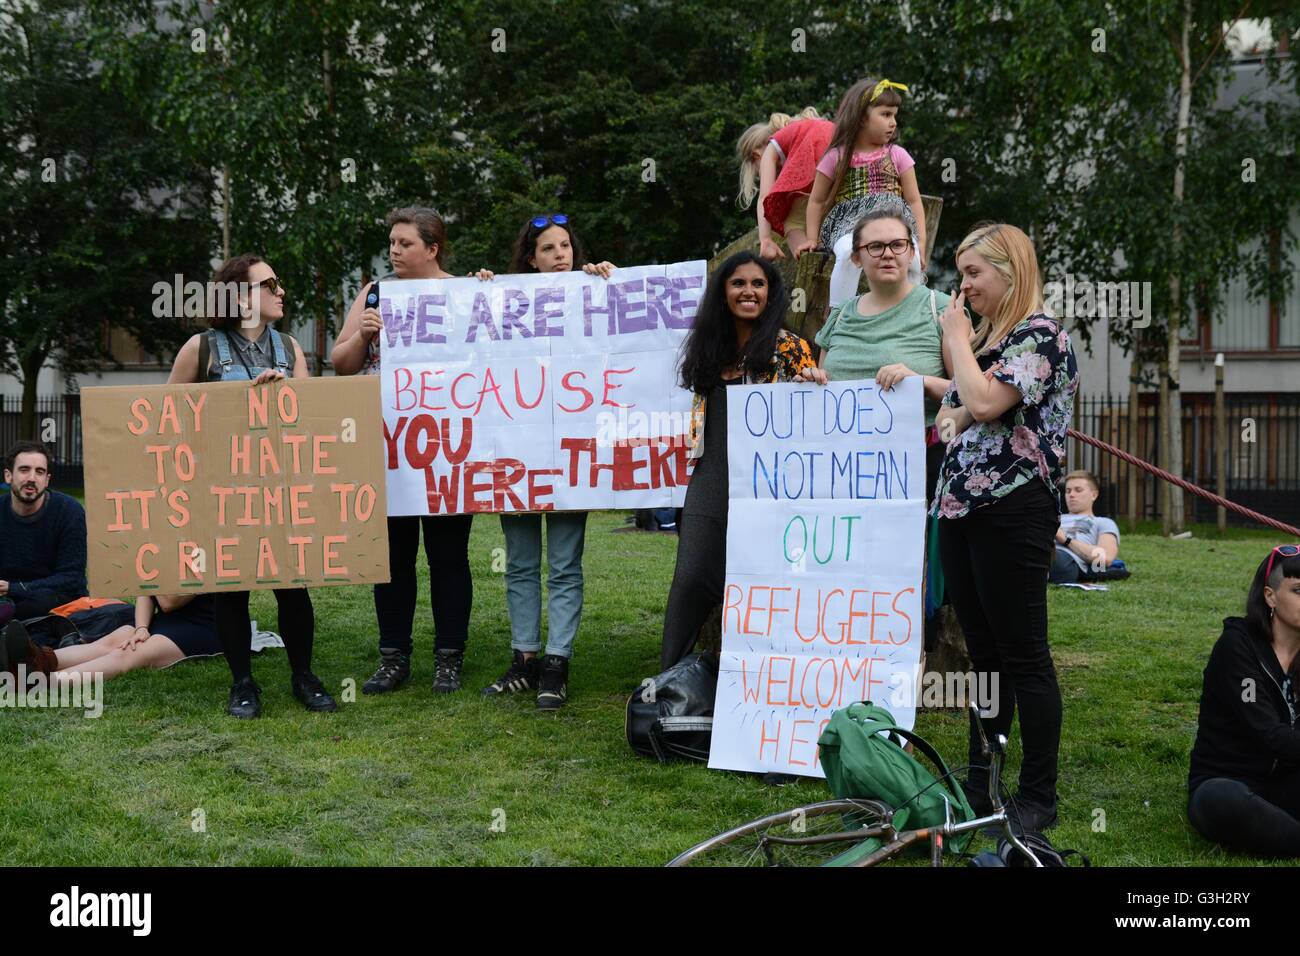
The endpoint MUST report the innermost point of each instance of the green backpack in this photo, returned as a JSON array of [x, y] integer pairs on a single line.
[[864, 759]]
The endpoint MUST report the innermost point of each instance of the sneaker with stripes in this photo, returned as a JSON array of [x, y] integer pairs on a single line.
[[522, 674]]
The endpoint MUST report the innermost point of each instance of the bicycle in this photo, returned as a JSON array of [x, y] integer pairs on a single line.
[[841, 828]]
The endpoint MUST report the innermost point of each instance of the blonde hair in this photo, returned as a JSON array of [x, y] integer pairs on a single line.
[[756, 138], [1008, 250], [1082, 474]]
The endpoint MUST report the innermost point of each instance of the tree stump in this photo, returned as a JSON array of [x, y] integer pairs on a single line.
[[949, 655]]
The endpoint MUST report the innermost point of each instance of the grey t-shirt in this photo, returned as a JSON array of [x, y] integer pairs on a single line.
[[1088, 529]]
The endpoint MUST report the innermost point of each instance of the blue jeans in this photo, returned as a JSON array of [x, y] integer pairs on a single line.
[[566, 533], [1064, 568]]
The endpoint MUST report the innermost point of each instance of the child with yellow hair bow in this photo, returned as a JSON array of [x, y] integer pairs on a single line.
[[863, 169]]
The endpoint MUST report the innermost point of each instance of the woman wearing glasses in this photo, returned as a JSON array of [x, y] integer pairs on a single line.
[[546, 243], [417, 244], [889, 333], [1244, 780], [247, 348]]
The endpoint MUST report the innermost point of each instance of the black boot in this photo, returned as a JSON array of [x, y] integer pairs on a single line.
[[311, 693], [554, 688], [446, 676], [394, 671], [245, 699]]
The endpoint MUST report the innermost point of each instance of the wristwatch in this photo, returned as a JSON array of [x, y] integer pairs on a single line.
[[1068, 541]]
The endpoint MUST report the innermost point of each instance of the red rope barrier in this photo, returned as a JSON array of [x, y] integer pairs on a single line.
[[1187, 485]]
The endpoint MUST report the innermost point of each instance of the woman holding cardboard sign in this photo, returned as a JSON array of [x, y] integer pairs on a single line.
[[737, 339], [246, 348], [417, 242]]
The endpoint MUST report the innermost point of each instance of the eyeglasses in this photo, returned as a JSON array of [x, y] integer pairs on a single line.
[[1286, 550], [877, 249], [271, 284], [541, 222]]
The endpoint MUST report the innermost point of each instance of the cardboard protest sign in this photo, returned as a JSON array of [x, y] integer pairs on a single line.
[[554, 391], [825, 542], [222, 486]]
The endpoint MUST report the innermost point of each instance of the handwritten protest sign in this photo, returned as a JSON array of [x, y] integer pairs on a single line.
[[825, 537], [553, 391], [193, 488]]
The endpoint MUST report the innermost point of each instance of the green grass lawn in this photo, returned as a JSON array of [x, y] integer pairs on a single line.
[[410, 779]]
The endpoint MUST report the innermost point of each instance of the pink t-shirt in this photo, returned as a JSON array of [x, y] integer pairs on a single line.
[[903, 160]]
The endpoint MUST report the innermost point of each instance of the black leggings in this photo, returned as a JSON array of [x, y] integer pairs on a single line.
[[451, 589], [697, 583], [995, 562], [1256, 818], [297, 623]]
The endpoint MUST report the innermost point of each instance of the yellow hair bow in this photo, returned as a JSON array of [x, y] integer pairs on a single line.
[[882, 86]]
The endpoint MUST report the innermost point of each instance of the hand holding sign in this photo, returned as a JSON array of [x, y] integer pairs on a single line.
[[890, 375]]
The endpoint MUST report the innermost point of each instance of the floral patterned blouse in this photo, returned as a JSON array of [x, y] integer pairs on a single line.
[[791, 356], [989, 460]]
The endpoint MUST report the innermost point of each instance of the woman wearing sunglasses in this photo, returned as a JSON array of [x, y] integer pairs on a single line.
[[417, 244], [1244, 780], [545, 244], [247, 348]]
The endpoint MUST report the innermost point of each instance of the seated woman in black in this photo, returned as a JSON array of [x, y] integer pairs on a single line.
[[1245, 771]]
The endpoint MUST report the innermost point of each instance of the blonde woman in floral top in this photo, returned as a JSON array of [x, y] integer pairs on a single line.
[[737, 339], [1004, 419]]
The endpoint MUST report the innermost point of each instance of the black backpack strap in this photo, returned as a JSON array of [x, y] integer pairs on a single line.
[[926, 748], [205, 357]]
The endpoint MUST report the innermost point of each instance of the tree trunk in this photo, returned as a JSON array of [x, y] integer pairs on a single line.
[[31, 365], [1165, 516], [330, 300], [1173, 423], [1134, 442], [225, 212]]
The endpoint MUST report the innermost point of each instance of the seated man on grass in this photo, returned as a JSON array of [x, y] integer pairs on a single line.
[[42, 538], [1085, 543]]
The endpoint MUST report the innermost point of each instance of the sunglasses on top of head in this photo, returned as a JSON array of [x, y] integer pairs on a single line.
[[541, 222], [1286, 550]]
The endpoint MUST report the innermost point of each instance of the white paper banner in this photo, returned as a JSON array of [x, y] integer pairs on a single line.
[[554, 391], [825, 548]]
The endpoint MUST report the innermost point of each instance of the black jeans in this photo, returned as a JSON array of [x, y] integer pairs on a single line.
[[1259, 818], [297, 623], [698, 582], [995, 563], [40, 603], [451, 589]]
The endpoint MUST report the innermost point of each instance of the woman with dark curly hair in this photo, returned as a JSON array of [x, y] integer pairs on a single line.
[[737, 339]]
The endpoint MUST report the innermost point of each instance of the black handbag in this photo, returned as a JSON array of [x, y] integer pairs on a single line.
[[671, 715]]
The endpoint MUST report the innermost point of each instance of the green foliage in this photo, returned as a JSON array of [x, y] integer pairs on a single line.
[[1059, 117], [92, 218]]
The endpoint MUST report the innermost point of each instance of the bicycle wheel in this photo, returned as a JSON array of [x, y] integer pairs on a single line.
[[804, 836]]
